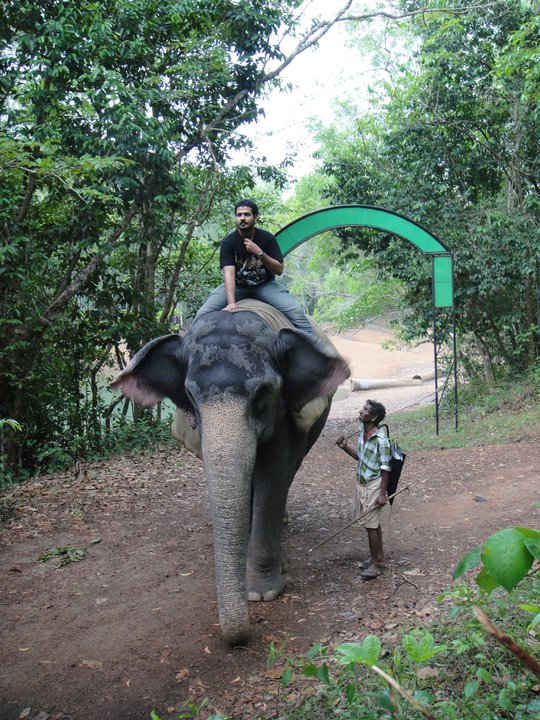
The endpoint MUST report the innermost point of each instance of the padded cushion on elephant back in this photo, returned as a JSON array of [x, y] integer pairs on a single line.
[[268, 313], [278, 321]]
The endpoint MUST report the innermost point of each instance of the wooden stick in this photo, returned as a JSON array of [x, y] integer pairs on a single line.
[[405, 580], [507, 641], [363, 515], [401, 690]]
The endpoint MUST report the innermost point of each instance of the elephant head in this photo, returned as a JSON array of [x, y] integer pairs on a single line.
[[251, 401]]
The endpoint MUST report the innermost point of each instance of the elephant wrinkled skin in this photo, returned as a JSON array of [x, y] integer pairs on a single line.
[[251, 402]]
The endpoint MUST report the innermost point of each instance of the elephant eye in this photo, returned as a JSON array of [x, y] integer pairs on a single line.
[[264, 396]]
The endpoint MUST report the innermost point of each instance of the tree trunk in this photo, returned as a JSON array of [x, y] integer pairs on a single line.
[[487, 365]]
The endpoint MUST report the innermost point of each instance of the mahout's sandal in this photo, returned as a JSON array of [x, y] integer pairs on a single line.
[[371, 575], [367, 563]]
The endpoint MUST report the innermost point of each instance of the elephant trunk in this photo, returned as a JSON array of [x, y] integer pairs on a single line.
[[229, 449]]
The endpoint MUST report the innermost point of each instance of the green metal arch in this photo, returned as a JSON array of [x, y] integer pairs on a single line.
[[340, 216]]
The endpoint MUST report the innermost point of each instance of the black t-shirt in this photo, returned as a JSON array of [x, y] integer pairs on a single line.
[[249, 269]]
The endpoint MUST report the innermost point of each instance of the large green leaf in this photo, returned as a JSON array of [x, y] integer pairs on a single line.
[[533, 546], [468, 562], [485, 581], [506, 557], [365, 653], [529, 532]]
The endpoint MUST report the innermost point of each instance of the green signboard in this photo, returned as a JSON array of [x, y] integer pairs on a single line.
[[443, 286]]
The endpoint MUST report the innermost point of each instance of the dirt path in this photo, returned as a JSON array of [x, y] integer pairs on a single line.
[[133, 625]]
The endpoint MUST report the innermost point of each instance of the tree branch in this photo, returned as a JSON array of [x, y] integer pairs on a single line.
[[311, 38], [463, 10], [28, 194], [192, 224], [505, 640], [61, 300]]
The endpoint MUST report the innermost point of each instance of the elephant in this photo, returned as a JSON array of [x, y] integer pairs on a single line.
[[251, 401]]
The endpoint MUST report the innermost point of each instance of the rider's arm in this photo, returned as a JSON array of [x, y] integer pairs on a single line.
[[230, 284]]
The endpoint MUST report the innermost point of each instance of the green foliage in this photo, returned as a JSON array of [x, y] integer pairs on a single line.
[[366, 653], [485, 415], [335, 284], [534, 609], [420, 647], [118, 120], [7, 427], [535, 379], [506, 556], [192, 710], [10, 423], [452, 142], [67, 554], [447, 670], [342, 288], [124, 437]]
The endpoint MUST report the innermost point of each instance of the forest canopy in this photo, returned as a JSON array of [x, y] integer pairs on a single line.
[[453, 142]]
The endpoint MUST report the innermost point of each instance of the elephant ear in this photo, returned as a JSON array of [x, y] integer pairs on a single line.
[[310, 368], [154, 373]]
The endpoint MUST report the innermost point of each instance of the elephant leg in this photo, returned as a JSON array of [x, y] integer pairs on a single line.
[[266, 562]]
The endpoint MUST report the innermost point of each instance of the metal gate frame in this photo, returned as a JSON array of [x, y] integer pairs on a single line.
[[442, 268]]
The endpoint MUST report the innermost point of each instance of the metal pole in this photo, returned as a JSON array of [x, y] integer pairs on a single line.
[[455, 372], [435, 353]]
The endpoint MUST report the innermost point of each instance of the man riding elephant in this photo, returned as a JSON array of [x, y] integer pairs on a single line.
[[250, 259]]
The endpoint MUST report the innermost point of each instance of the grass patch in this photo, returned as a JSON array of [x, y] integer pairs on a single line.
[[449, 669], [506, 415]]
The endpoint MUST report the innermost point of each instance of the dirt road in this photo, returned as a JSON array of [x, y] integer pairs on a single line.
[[133, 625]]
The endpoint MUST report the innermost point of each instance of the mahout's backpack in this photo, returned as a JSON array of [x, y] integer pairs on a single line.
[[396, 464]]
